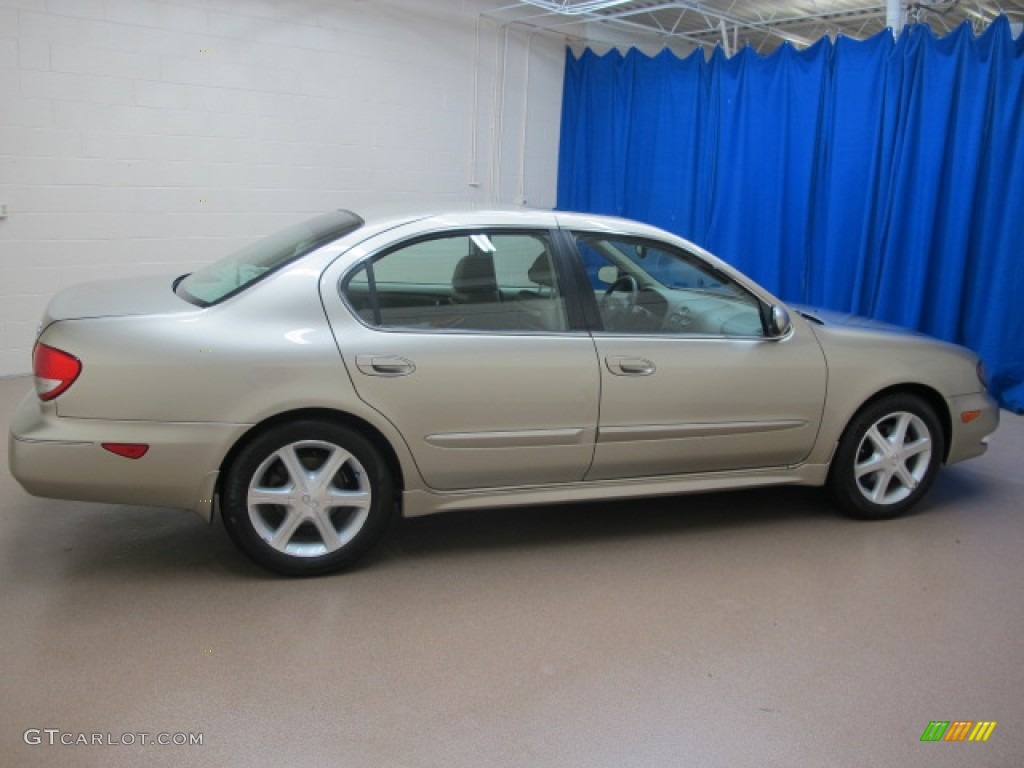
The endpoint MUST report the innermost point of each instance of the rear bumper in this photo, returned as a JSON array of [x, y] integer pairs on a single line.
[[61, 458], [968, 439]]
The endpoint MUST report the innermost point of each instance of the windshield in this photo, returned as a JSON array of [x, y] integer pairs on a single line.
[[234, 273]]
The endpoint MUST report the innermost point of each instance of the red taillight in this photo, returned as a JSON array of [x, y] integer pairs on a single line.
[[54, 370], [128, 450]]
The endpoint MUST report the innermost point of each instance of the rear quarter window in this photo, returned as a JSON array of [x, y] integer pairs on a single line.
[[232, 274]]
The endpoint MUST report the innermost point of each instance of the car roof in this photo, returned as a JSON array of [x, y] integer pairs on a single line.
[[395, 214]]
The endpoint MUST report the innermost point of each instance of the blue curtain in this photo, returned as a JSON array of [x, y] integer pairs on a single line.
[[880, 177]]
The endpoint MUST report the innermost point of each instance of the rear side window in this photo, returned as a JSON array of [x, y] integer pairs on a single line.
[[233, 274], [474, 281]]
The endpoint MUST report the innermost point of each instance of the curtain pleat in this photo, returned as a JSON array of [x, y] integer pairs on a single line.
[[883, 177]]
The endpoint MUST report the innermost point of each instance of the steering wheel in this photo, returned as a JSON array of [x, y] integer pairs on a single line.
[[623, 282], [625, 315]]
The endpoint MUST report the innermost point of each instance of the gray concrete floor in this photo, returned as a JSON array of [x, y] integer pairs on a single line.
[[743, 629]]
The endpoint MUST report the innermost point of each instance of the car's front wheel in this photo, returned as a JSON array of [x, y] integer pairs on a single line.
[[307, 498], [887, 458]]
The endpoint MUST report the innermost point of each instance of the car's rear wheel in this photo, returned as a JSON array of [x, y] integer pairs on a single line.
[[888, 457], [307, 498]]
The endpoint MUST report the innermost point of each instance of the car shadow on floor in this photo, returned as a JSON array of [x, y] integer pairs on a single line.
[[572, 524], [681, 515], [46, 539]]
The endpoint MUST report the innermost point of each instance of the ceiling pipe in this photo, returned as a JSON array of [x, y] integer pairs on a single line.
[[474, 119], [556, 7], [582, 20], [894, 16], [619, 13], [581, 8], [521, 198], [708, 13]]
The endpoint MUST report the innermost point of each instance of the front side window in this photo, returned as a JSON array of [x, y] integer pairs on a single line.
[[233, 274], [651, 288], [472, 281]]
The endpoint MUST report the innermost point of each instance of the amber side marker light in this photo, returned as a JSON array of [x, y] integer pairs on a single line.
[[127, 450], [968, 416]]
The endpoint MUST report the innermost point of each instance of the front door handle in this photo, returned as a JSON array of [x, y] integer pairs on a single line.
[[384, 365], [629, 366]]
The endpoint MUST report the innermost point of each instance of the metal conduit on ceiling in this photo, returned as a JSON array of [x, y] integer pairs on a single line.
[[764, 24]]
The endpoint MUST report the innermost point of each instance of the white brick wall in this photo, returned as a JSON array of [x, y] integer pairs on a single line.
[[118, 117]]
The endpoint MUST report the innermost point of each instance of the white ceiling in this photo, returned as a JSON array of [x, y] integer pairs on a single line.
[[763, 24]]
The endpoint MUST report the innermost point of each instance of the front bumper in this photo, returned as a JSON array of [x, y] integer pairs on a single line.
[[61, 458], [968, 439]]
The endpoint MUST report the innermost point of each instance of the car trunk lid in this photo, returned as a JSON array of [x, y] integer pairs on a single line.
[[116, 298]]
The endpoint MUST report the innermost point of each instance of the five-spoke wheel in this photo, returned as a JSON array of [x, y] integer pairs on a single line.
[[307, 498]]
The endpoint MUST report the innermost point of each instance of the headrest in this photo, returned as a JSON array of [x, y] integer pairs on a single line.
[[540, 271], [475, 274]]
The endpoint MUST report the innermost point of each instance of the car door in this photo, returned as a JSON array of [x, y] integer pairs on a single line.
[[464, 339], [690, 381]]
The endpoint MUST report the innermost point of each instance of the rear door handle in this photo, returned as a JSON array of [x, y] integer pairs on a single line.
[[629, 366], [384, 365]]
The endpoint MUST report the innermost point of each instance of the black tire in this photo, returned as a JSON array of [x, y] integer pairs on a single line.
[[901, 436], [295, 537]]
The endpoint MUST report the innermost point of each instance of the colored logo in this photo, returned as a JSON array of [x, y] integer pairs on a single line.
[[958, 730]]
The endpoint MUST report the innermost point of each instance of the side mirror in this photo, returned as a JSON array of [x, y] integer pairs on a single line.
[[779, 323], [608, 274]]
